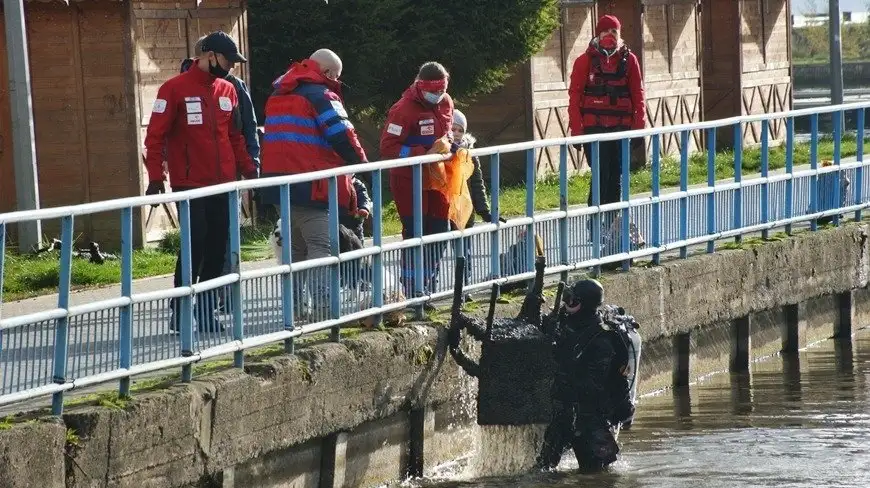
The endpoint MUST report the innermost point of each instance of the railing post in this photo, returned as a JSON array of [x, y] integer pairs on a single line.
[[656, 223], [417, 173], [814, 165], [789, 168], [563, 206], [711, 183], [377, 240], [287, 278], [765, 172], [625, 224], [495, 191], [530, 210], [236, 267], [185, 307], [859, 156], [684, 186], [126, 325], [61, 331], [738, 178], [595, 188], [334, 249], [838, 141]]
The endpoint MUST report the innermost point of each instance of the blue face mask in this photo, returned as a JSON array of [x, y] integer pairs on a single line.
[[433, 98]]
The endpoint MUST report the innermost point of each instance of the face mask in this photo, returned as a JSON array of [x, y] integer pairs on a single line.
[[608, 43], [433, 98], [216, 70]]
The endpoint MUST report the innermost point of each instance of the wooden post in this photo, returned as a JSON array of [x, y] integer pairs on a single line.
[[740, 345], [333, 461], [23, 138], [845, 315], [794, 328], [682, 345]]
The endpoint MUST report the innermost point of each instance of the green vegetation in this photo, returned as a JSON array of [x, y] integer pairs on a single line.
[[383, 42], [113, 401], [810, 44], [26, 276]]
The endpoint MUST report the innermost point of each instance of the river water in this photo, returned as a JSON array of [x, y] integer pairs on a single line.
[[798, 421]]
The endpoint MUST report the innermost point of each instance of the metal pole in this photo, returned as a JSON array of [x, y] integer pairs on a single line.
[[20, 103], [834, 34]]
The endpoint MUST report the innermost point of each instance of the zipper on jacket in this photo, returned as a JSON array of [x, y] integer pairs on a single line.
[[187, 161], [215, 137]]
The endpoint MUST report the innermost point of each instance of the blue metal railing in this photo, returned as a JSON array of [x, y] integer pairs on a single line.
[[71, 346]]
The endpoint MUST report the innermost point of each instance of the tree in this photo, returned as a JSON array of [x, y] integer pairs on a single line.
[[382, 43]]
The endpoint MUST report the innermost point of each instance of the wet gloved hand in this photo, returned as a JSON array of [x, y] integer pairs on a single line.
[[155, 188]]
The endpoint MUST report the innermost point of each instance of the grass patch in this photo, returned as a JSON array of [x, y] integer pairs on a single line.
[[29, 276]]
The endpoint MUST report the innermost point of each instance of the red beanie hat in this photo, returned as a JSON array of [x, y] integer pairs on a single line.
[[607, 22]]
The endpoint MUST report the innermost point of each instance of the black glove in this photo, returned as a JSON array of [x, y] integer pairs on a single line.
[[154, 188], [454, 148]]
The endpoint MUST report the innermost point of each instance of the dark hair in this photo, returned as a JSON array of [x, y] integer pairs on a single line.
[[432, 71]]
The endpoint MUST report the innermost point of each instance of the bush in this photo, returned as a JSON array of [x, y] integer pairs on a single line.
[[810, 44], [382, 43]]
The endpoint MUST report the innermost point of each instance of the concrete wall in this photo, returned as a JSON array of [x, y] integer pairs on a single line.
[[374, 408]]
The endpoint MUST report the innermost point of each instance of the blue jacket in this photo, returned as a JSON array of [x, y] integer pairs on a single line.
[[246, 110]]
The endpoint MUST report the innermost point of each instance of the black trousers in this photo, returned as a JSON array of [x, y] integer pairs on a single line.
[[609, 170], [209, 231]]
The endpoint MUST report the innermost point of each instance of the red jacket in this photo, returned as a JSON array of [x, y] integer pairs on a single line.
[[412, 127], [606, 92], [195, 119], [306, 129]]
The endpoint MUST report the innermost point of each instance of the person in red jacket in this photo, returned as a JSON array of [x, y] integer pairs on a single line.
[[606, 95], [195, 122], [420, 123], [307, 129]]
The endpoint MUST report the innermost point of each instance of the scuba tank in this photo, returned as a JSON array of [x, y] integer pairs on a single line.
[[627, 342]]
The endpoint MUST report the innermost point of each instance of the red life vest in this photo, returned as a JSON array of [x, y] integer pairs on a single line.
[[607, 98]]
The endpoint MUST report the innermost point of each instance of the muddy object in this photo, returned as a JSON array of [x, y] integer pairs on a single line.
[[516, 362]]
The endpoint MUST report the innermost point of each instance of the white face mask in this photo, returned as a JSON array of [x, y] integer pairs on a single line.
[[433, 98]]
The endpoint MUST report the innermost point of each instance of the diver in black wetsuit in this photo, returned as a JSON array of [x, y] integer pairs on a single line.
[[590, 390]]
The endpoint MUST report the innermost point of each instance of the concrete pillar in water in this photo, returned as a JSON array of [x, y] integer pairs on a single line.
[[682, 345], [333, 462], [422, 422], [845, 315], [794, 328], [740, 345]]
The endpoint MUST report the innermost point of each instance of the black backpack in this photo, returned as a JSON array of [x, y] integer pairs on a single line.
[[618, 326]]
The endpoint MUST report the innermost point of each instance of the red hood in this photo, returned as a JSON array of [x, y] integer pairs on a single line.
[[307, 71], [595, 50], [413, 93]]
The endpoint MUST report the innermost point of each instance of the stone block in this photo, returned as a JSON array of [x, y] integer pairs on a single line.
[[156, 442], [32, 455]]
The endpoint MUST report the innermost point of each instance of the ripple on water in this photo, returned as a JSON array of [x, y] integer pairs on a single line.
[[795, 427]]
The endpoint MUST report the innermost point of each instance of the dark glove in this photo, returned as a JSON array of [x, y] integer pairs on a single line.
[[155, 188], [454, 148]]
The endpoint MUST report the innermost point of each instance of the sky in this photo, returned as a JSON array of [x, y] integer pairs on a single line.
[[800, 6]]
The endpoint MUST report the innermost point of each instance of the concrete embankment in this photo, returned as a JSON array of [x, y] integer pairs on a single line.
[[387, 404]]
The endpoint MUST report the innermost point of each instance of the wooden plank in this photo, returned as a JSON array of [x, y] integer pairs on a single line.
[[79, 83]]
